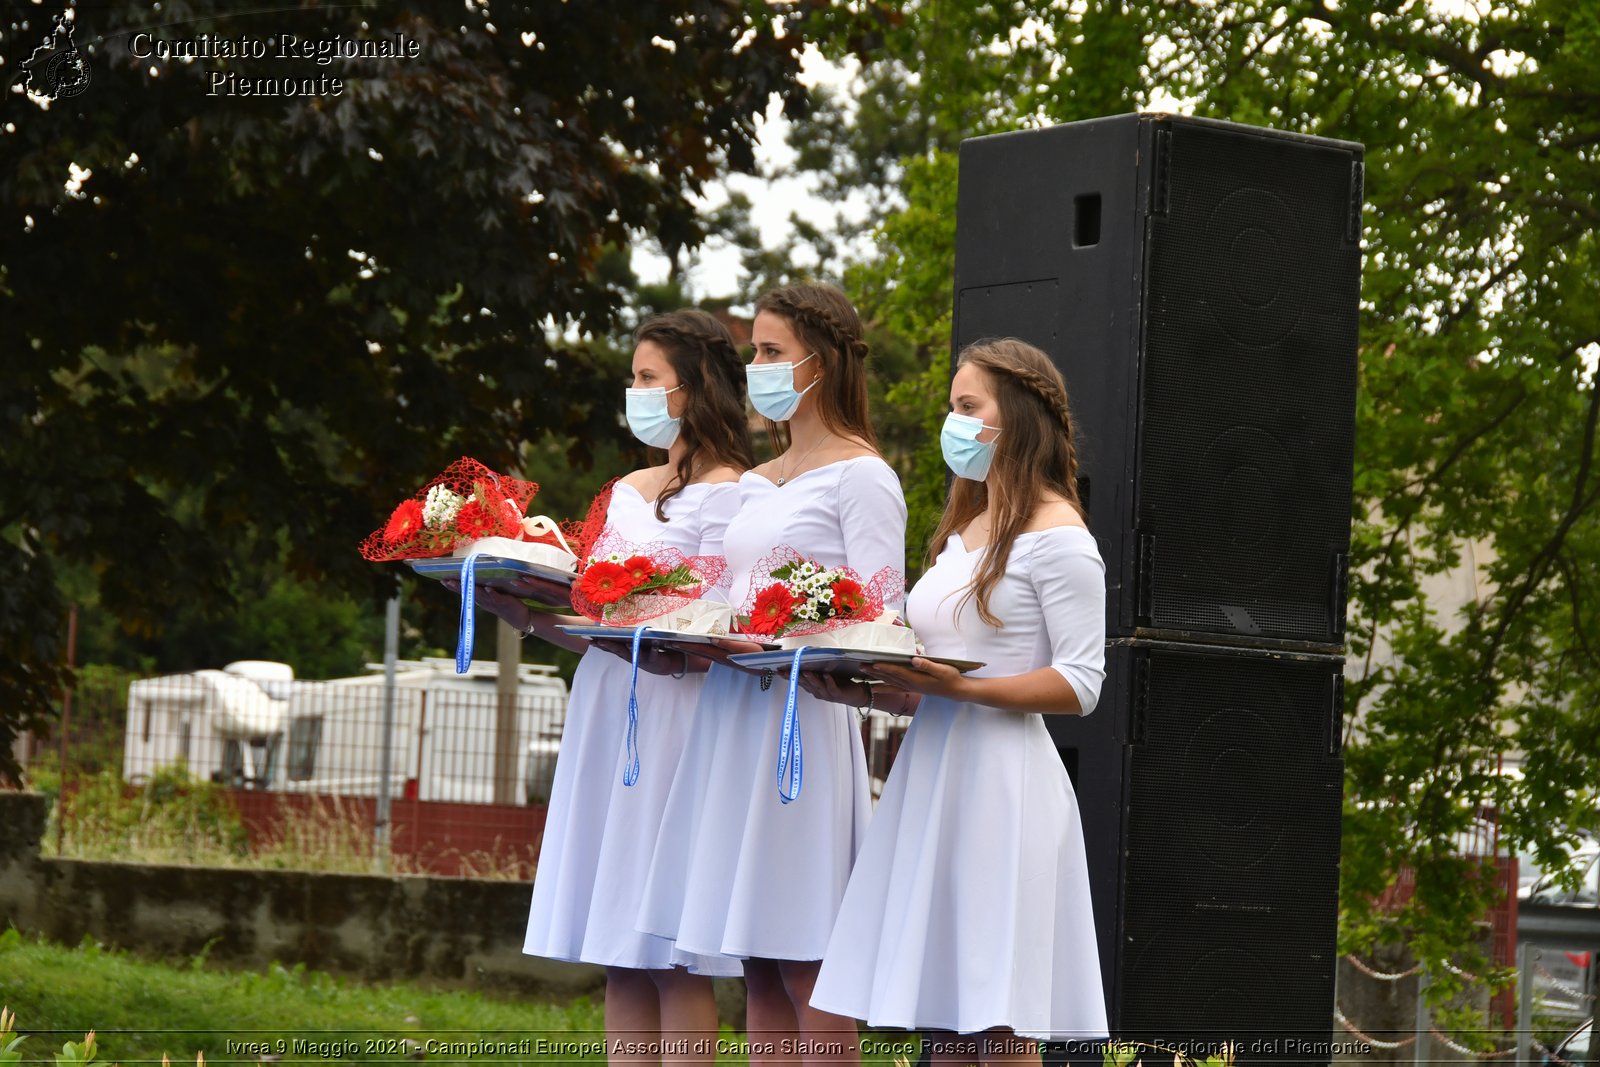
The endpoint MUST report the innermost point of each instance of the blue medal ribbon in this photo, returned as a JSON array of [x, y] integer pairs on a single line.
[[464, 631], [630, 773], [790, 765]]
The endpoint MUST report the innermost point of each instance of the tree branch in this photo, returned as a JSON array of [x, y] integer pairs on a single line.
[[1452, 56], [1534, 574], [1467, 440], [1567, 571]]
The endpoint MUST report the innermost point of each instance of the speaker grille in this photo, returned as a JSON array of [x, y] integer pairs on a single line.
[[1248, 386], [1233, 810]]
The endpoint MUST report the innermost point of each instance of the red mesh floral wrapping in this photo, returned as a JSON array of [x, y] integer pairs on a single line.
[[466, 502], [582, 533], [800, 596], [622, 584]]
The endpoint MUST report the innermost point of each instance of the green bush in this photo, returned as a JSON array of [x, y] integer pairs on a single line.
[[173, 817]]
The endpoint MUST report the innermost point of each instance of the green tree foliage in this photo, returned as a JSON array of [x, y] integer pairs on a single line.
[[1477, 418], [260, 321]]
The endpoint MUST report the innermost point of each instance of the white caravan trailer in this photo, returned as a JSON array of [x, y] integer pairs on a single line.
[[253, 725], [445, 734], [209, 719]]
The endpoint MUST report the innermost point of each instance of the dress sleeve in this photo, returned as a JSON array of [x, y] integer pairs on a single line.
[[716, 511], [718, 508], [1069, 579], [872, 515]]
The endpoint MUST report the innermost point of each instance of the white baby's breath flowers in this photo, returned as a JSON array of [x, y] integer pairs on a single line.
[[813, 585], [440, 508]]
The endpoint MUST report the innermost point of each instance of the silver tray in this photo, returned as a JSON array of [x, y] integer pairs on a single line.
[[496, 572], [653, 636], [840, 660]]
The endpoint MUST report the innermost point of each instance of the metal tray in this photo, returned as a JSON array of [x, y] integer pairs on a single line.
[[496, 572]]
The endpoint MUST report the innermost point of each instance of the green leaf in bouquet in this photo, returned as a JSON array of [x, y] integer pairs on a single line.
[[679, 576]]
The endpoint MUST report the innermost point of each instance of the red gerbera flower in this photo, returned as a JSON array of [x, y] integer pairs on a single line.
[[403, 523], [640, 569], [774, 609], [475, 520], [605, 583], [847, 596]]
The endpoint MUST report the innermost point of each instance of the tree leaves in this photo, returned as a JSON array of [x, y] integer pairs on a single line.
[[1477, 484], [297, 307]]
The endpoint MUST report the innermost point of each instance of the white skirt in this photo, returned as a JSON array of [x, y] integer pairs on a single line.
[[600, 834], [736, 871], [969, 905]]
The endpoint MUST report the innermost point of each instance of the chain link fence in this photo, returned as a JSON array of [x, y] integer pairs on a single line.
[[153, 768]]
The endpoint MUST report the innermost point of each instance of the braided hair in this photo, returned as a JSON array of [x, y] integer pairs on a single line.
[[824, 320], [714, 430], [1034, 453]]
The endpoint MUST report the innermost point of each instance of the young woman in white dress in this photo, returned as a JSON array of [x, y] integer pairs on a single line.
[[968, 909], [736, 870], [688, 398]]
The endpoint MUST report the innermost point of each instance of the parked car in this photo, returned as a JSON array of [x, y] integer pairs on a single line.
[[1561, 982], [1574, 1048], [1549, 887]]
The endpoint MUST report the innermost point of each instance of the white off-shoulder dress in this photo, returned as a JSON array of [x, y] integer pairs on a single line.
[[969, 905], [737, 871], [600, 834]]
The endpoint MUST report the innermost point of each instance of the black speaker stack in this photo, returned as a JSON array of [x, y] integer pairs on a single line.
[[1197, 284]]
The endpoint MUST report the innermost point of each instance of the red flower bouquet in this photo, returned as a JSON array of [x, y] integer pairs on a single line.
[[466, 503], [625, 585], [805, 599]]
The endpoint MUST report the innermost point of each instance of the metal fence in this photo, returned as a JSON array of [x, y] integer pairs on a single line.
[[302, 761]]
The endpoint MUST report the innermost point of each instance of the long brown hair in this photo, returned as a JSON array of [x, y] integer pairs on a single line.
[[703, 355], [1033, 453], [824, 320]]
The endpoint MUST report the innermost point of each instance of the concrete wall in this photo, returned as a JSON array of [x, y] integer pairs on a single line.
[[455, 930]]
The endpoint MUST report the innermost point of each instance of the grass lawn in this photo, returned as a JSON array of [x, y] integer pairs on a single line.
[[141, 1010]]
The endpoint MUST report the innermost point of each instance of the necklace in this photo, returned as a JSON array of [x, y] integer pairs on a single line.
[[784, 478]]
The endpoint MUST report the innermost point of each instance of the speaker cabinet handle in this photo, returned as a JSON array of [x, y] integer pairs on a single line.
[[1141, 699], [1336, 717], [1358, 184], [1338, 591], [1147, 575], [1162, 162]]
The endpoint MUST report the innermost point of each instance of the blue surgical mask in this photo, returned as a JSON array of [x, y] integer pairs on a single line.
[[967, 456], [648, 418], [772, 390]]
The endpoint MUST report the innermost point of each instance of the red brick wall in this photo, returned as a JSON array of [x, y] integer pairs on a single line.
[[426, 837]]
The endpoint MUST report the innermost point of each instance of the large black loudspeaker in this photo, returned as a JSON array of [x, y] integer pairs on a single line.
[[1210, 782], [1197, 284]]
